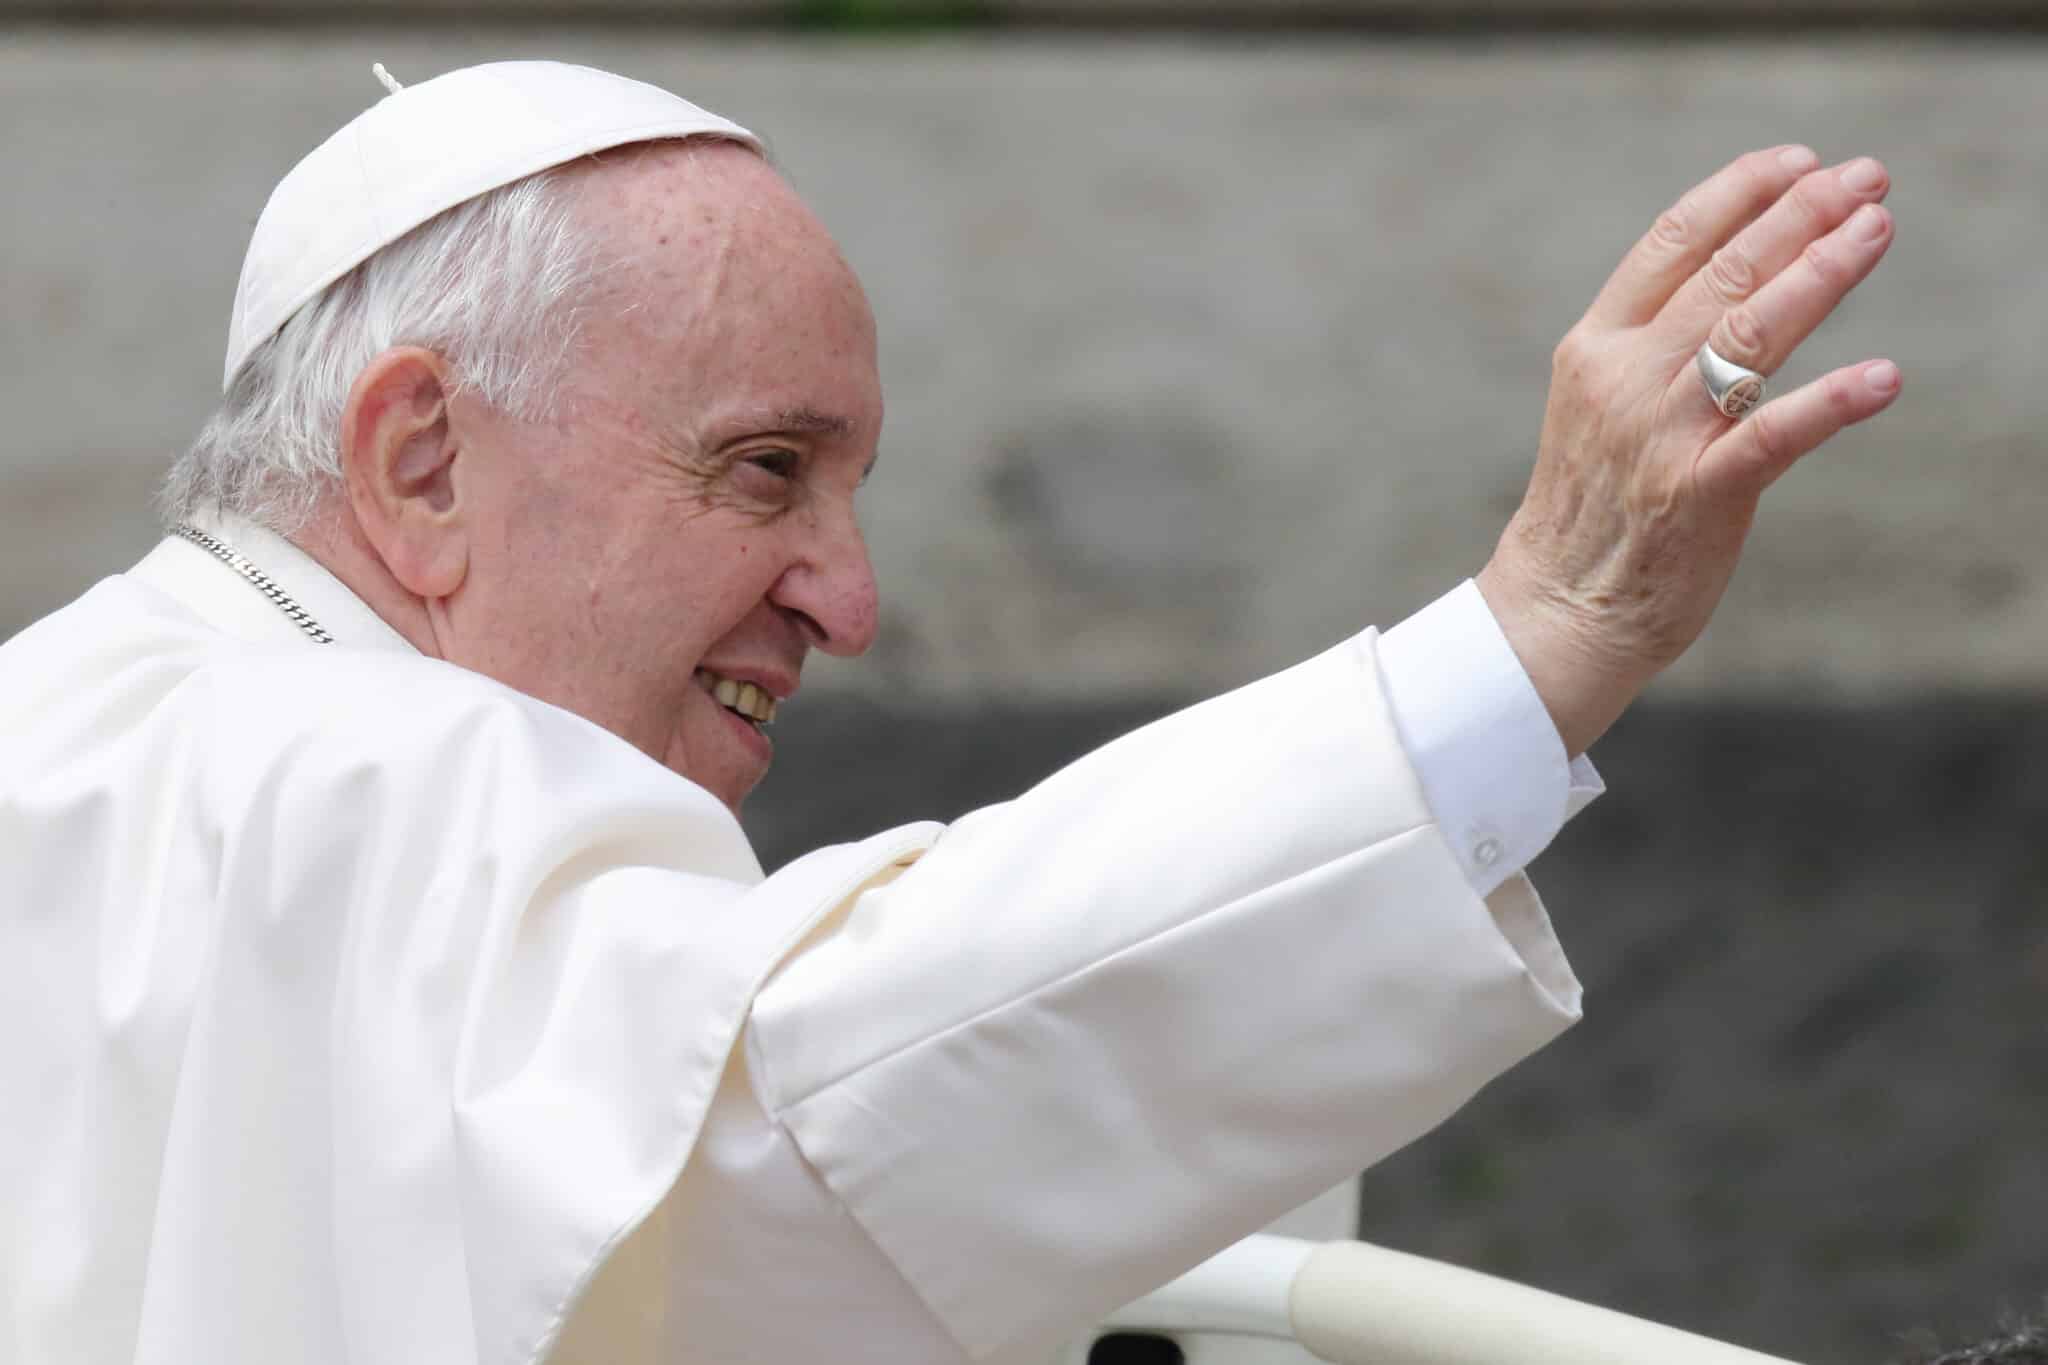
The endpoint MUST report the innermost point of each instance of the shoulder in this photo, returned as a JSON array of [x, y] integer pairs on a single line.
[[386, 703], [385, 699], [390, 745]]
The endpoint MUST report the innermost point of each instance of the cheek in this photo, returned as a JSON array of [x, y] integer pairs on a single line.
[[719, 585], [752, 568]]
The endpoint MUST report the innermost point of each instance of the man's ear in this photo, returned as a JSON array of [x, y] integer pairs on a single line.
[[398, 457]]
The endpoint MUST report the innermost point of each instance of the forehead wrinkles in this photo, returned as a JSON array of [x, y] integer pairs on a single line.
[[723, 286], [671, 217], [689, 272], [715, 246]]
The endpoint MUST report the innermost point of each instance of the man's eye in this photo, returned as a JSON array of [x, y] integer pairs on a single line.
[[783, 464]]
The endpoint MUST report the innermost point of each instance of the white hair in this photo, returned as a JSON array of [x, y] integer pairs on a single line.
[[493, 285]]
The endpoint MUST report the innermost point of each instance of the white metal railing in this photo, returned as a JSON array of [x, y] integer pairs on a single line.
[[1351, 1303]]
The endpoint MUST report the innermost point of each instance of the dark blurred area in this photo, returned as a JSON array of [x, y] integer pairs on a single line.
[[1806, 1108]]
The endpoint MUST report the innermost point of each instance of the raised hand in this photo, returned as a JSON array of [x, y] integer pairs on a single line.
[[1644, 493]]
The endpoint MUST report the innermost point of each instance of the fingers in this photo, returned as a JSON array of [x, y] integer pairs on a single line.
[[1815, 207], [1688, 233], [1763, 332], [1751, 456]]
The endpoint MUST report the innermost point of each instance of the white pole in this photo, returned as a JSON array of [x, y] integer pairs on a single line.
[[1356, 1304]]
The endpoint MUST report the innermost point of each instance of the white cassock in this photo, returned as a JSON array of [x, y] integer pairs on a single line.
[[355, 1008]]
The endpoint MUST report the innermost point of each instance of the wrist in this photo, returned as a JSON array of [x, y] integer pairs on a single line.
[[1584, 683]]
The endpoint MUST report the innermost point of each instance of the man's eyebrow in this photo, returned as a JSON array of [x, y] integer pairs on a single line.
[[811, 420]]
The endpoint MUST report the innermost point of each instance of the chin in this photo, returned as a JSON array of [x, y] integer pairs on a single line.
[[714, 752], [730, 789]]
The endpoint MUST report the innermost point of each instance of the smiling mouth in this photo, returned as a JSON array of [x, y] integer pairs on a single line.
[[745, 700]]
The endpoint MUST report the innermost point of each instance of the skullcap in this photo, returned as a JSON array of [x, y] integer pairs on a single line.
[[422, 150]]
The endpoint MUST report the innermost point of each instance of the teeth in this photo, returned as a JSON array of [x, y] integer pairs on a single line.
[[748, 699]]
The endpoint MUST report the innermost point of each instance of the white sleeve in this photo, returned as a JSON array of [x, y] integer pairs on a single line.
[[1097, 1033], [1490, 762]]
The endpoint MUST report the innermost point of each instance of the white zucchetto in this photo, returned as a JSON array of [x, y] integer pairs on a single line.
[[421, 151]]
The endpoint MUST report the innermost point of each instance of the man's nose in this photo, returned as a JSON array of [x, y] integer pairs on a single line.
[[832, 586]]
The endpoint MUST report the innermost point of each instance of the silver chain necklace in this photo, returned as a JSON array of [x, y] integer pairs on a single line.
[[263, 582]]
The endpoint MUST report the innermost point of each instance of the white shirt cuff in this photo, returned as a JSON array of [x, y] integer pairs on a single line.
[[1491, 764]]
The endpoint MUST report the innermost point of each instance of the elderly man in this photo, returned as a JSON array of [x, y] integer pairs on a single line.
[[386, 977]]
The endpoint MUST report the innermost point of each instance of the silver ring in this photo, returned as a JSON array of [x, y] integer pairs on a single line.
[[1735, 390]]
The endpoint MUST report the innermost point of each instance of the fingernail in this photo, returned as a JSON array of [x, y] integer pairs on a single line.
[[1867, 225], [1798, 157], [1863, 175], [1883, 377]]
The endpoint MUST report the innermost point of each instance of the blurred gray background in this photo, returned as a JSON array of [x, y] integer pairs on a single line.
[[1212, 332]]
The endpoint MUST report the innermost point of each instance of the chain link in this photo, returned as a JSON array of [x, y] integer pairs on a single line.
[[263, 582]]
